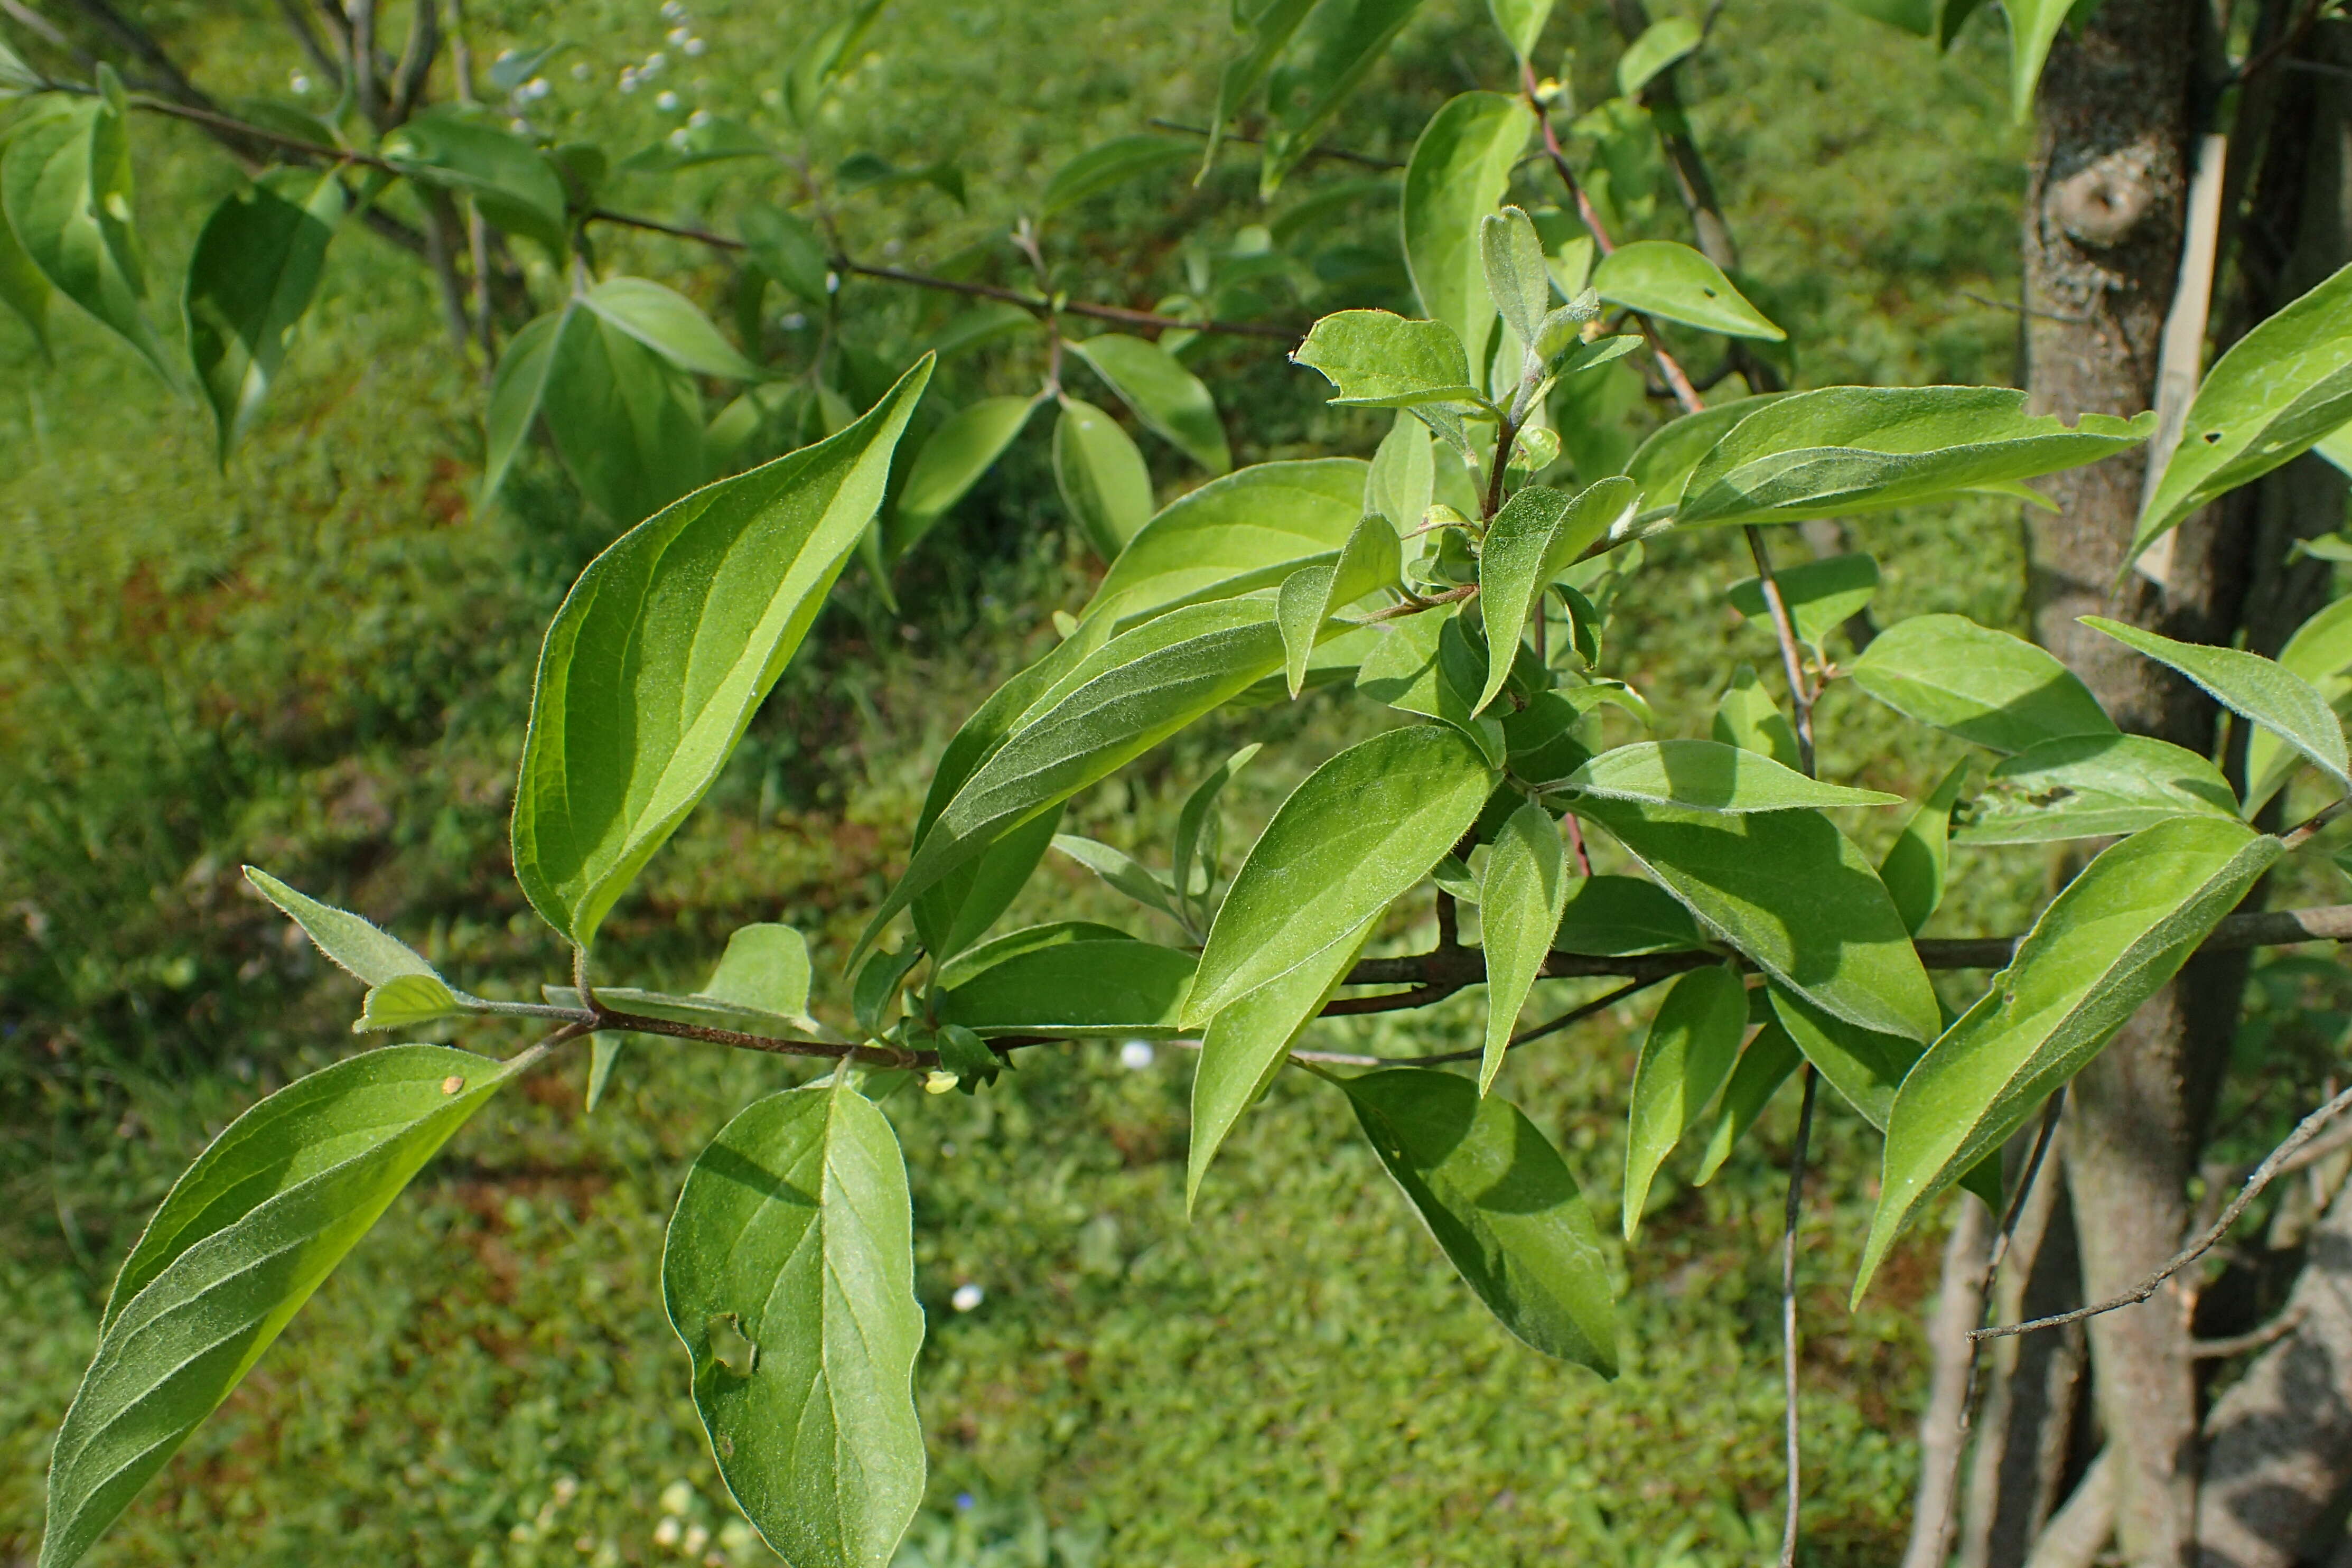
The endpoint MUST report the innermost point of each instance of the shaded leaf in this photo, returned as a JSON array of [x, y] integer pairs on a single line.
[[789, 249], [1998, 690], [1618, 917], [2032, 26], [249, 281], [1770, 1056], [1196, 832], [1710, 776], [1914, 866], [1660, 277], [2251, 686], [510, 180], [951, 461], [2319, 652], [518, 390], [1123, 872], [1403, 480], [1075, 988], [1659, 46], [1427, 664], [23, 286], [1101, 477], [957, 910], [1686, 1058], [1312, 595], [956, 970], [1268, 24], [1110, 166], [1863, 1065], [1821, 595], [1522, 23], [1169, 400], [1335, 48], [627, 423], [2089, 786], [1747, 715]]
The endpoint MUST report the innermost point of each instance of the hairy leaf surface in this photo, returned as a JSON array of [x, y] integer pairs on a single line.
[[1709, 776], [1457, 176], [1249, 529], [1988, 687], [2252, 686]]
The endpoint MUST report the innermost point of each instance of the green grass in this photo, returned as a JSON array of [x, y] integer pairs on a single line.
[[320, 662]]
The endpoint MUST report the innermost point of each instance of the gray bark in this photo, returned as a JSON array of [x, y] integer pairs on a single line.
[[1959, 1307]]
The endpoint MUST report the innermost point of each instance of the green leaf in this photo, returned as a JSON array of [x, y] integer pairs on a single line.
[[2089, 786], [405, 1001], [1124, 872], [1170, 400], [1520, 902], [1111, 164], [65, 186], [817, 62], [1247, 1042], [1312, 595], [705, 139], [1917, 17], [1502, 1205], [1532, 540], [1248, 530], [1196, 830], [1358, 832], [255, 268], [1338, 46], [2032, 26], [356, 946], [1522, 22], [1101, 476], [1511, 257], [627, 423], [957, 910], [23, 286], [1708, 776], [1821, 595], [1863, 1065], [2319, 652], [604, 1050], [2252, 686], [2105, 946], [961, 968], [518, 390], [1915, 864], [1428, 664], [1618, 917], [1987, 687], [16, 78], [789, 249], [243, 1238], [1378, 359], [950, 462], [1659, 278], [1075, 989], [1117, 703], [668, 322], [1686, 1058], [1663, 464], [1764, 1067], [1791, 892], [1848, 449], [1659, 46], [508, 179], [794, 1226], [1746, 716], [1457, 175], [1542, 740], [665, 648], [1403, 480], [765, 967], [1268, 25]]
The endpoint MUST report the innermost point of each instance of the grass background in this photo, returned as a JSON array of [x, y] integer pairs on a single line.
[[319, 661]]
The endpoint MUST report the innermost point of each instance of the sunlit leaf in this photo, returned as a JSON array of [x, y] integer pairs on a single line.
[[1457, 175], [1660, 277], [1707, 775], [1532, 540], [951, 461], [1747, 715], [1378, 359], [1101, 477], [1248, 530], [1998, 690], [2319, 652], [1075, 989], [2089, 786], [1169, 400], [2252, 686], [1520, 902], [668, 322], [1686, 1058]]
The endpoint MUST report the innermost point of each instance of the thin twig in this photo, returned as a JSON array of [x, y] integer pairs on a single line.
[[2301, 836], [1576, 1014], [2264, 1175], [1788, 1312], [1792, 663], [1319, 151], [2278, 1328]]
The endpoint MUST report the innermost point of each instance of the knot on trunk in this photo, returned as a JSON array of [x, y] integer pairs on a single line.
[[2103, 203]]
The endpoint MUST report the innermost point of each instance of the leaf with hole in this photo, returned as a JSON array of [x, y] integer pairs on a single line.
[[2090, 786], [1987, 687], [2254, 687], [1169, 400], [1688, 1056], [794, 1228], [1673, 282], [2105, 946]]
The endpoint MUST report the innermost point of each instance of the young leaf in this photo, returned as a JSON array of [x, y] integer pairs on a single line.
[[1353, 837], [1764, 1067], [789, 249], [1378, 359], [627, 422], [1117, 703], [1617, 917], [1520, 902], [1914, 866], [796, 1225], [1532, 540], [1746, 716], [1247, 1043], [1500, 1202], [405, 1001], [1459, 170], [2032, 27], [1074, 990], [239, 1244], [668, 322], [665, 648], [1511, 258], [1312, 595], [2319, 652], [1111, 164], [1790, 891], [2089, 786], [1987, 687], [1708, 776], [950, 462], [2280, 389], [765, 967], [65, 187], [1660, 277], [2252, 686], [1427, 664], [1170, 400], [508, 179], [1249, 529], [372, 955], [1821, 595], [1663, 464], [1848, 449], [518, 391], [1338, 46], [254, 267], [1522, 22], [1194, 835], [1863, 1065], [1123, 872], [1101, 476], [1403, 480], [1659, 46], [2105, 946], [604, 1050], [1686, 1058]]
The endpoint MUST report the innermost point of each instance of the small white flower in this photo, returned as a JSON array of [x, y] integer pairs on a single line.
[[697, 1538], [666, 1532], [676, 1498], [667, 103], [580, 72], [679, 139], [794, 324], [629, 81], [673, 10], [694, 47], [299, 81], [654, 62], [503, 56], [536, 89], [519, 125], [699, 117], [967, 1298], [1136, 1054], [676, 35]]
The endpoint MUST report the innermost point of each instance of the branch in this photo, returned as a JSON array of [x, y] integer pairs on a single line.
[[1789, 1311], [1792, 663], [1576, 1014], [2264, 1175], [2278, 1328], [1317, 151]]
